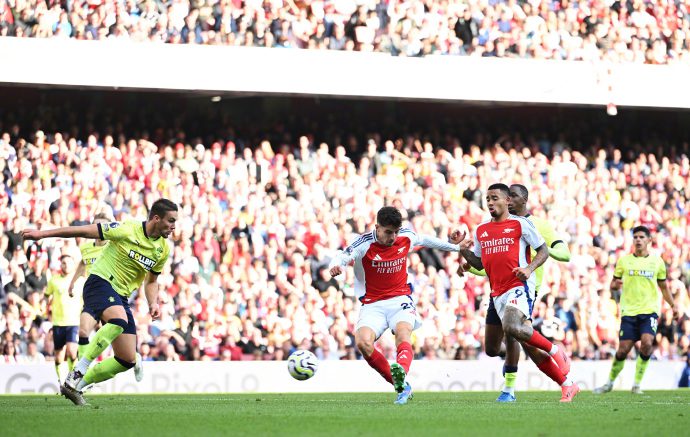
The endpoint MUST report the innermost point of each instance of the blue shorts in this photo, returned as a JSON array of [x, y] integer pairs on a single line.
[[99, 295], [632, 327], [63, 335], [492, 315]]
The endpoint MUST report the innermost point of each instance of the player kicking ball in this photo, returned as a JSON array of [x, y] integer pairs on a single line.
[[135, 254], [382, 285], [501, 247]]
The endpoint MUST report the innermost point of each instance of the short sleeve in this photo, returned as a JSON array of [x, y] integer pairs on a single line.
[[114, 231], [618, 271], [477, 247], [158, 268], [661, 271]]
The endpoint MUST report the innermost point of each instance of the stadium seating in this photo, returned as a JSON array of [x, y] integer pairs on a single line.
[[258, 225], [638, 31]]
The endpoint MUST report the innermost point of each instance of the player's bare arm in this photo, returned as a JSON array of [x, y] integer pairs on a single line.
[[86, 231], [523, 273], [81, 269], [471, 258], [616, 283], [668, 297], [151, 291]]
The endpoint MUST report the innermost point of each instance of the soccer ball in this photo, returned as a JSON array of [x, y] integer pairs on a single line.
[[302, 365]]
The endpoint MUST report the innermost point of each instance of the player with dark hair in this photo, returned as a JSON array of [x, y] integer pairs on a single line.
[[135, 254], [383, 287], [637, 275], [558, 250], [501, 247]]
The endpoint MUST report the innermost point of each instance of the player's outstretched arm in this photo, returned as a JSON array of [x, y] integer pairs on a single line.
[[560, 252], [86, 231]]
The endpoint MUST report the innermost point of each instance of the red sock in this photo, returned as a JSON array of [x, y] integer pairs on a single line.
[[550, 369], [539, 341], [405, 355], [380, 364]]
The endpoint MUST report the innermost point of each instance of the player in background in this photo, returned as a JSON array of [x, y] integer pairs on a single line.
[[559, 251], [135, 254], [638, 273], [90, 252], [501, 248], [383, 287], [65, 308]]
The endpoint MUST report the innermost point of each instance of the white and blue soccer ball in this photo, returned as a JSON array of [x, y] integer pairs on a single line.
[[302, 364]]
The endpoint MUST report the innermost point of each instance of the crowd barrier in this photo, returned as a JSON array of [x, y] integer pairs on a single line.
[[332, 376]]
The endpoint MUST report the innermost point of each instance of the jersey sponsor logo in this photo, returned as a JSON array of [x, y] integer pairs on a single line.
[[484, 235], [643, 273], [496, 245], [393, 266], [147, 263]]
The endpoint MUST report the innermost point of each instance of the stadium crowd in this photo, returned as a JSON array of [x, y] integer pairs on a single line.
[[640, 31], [258, 225]]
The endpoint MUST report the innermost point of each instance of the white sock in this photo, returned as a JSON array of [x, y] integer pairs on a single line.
[[82, 365], [553, 350], [510, 390], [82, 384], [568, 382]]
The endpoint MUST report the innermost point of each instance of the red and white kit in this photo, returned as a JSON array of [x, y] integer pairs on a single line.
[[381, 278], [503, 246]]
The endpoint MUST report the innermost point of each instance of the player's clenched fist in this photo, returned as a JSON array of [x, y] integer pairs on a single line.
[[155, 311], [456, 237], [522, 273], [335, 271]]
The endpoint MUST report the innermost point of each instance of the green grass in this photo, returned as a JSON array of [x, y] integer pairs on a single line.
[[656, 413]]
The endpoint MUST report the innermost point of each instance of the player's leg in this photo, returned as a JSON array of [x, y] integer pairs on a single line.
[[400, 369], [493, 331], [71, 346], [629, 334], [510, 369], [100, 301], [364, 340], [515, 308], [648, 325], [59, 342], [124, 351], [370, 326], [87, 323], [493, 340]]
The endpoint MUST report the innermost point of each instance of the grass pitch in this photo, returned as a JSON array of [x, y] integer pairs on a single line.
[[656, 413]]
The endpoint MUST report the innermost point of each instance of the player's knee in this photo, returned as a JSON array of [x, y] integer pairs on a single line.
[[646, 350], [511, 330], [366, 347], [621, 355], [493, 350]]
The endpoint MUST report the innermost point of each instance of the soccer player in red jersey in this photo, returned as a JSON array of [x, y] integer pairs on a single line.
[[382, 285], [502, 248]]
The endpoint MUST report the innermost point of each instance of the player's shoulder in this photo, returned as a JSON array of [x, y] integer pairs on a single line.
[[407, 232], [367, 237]]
